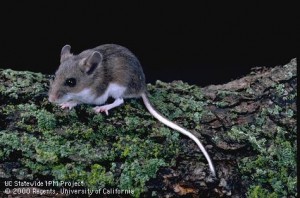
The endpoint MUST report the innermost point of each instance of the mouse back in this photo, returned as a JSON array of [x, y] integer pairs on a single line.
[[124, 69]]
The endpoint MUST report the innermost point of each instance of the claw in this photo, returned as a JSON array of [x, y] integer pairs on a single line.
[[69, 105], [101, 109]]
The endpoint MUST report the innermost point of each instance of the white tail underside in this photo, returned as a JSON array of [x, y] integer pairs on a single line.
[[174, 126]]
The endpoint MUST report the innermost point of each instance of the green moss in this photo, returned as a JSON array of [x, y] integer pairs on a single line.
[[20, 85], [128, 147], [29, 115], [259, 192], [274, 167], [280, 89], [222, 104], [137, 173], [10, 142], [272, 171], [46, 120], [99, 177], [80, 145]]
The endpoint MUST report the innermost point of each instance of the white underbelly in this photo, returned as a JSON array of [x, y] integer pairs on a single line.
[[113, 90]]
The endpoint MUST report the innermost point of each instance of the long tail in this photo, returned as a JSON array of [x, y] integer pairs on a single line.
[[174, 126]]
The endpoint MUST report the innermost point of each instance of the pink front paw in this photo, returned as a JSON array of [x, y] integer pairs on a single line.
[[69, 105], [101, 109]]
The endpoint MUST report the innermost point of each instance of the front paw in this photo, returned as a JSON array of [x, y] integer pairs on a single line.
[[99, 109], [69, 105]]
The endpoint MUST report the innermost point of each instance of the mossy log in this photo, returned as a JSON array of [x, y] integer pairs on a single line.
[[248, 126]]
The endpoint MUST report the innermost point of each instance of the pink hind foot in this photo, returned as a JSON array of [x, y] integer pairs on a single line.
[[106, 108]]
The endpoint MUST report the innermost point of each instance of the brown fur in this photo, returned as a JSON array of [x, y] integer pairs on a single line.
[[118, 65]]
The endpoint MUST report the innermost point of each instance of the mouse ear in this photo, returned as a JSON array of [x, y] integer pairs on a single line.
[[65, 52], [92, 62]]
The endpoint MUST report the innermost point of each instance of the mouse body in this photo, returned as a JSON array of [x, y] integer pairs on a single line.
[[109, 70], [96, 74]]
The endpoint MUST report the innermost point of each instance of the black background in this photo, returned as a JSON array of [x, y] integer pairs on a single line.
[[200, 43]]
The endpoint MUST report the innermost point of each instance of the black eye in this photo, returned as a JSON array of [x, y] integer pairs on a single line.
[[71, 82]]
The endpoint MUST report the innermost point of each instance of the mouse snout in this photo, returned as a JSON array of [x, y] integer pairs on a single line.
[[53, 97]]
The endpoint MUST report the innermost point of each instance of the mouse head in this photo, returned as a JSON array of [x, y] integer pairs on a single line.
[[74, 74]]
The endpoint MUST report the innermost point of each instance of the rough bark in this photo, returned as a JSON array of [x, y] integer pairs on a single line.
[[247, 125]]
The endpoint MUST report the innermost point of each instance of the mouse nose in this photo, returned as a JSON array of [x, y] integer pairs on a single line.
[[52, 98]]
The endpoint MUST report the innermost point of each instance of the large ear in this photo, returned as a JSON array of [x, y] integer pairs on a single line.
[[65, 52], [92, 62]]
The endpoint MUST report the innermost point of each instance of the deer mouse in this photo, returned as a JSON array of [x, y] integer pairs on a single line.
[[109, 70]]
